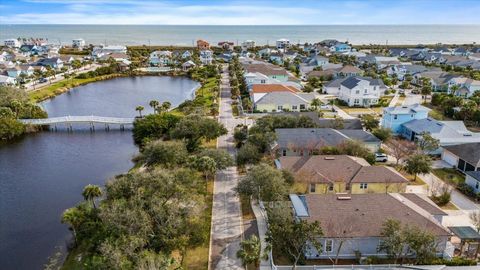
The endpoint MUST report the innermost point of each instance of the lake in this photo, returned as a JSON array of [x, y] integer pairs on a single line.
[[43, 174]]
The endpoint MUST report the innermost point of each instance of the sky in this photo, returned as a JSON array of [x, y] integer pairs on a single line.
[[246, 12]]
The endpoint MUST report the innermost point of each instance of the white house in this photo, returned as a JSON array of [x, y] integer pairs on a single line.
[[188, 65], [206, 57], [282, 43], [161, 58], [6, 80], [356, 90], [464, 157], [78, 43], [11, 43], [186, 54], [466, 86], [248, 44], [472, 179]]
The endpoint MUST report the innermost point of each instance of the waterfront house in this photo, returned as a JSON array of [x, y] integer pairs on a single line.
[[11, 43], [226, 45], [160, 58], [206, 57], [356, 90], [203, 45], [394, 117], [16, 71], [282, 43], [305, 141], [248, 44], [78, 43], [188, 65], [67, 59], [472, 178], [352, 224], [464, 157], [340, 48], [327, 174]]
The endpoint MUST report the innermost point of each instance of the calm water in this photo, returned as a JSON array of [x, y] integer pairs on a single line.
[[43, 174], [186, 35]]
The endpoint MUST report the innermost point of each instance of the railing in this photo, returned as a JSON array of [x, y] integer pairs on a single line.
[[78, 119]]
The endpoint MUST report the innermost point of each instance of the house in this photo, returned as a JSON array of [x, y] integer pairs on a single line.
[[380, 61], [100, 51], [340, 47], [446, 132], [160, 58], [265, 52], [272, 71], [67, 59], [464, 157], [353, 224], [282, 43], [11, 43], [206, 57], [186, 54], [348, 71], [306, 141], [55, 62], [278, 97], [276, 58], [188, 65], [439, 80], [461, 51], [324, 75], [356, 90], [472, 179], [326, 174], [226, 45], [328, 42], [401, 70], [394, 117], [16, 71], [248, 44], [203, 45], [78, 43], [7, 80], [398, 52], [466, 87], [441, 50]]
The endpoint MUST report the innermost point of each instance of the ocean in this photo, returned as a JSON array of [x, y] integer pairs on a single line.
[[262, 34]]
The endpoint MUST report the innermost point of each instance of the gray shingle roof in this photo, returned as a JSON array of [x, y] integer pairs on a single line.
[[470, 152], [474, 174], [353, 81]]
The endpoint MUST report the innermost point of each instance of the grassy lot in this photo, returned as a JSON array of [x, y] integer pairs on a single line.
[[436, 114], [247, 212], [63, 86], [449, 175]]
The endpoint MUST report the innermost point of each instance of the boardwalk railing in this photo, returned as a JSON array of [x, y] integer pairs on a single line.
[[92, 119]]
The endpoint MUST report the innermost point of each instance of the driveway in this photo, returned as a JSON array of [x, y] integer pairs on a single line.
[[342, 113], [411, 99], [226, 229]]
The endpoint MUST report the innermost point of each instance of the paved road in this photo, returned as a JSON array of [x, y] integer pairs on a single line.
[[59, 77], [342, 113], [226, 212], [457, 198]]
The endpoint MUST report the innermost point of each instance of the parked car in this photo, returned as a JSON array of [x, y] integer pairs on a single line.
[[43, 80], [380, 157]]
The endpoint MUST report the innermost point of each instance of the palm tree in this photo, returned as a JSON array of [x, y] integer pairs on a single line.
[[166, 106], [154, 104], [249, 251], [72, 217], [315, 103], [16, 106], [139, 109], [90, 192]]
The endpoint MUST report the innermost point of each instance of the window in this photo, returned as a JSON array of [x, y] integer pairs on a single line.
[[312, 188], [294, 107], [347, 186], [356, 101], [365, 91], [302, 106], [279, 108], [301, 152], [374, 88], [284, 152], [363, 185], [262, 81], [328, 245], [330, 187], [395, 117], [357, 92]]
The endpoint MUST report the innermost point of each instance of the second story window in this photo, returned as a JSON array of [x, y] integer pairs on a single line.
[[395, 117]]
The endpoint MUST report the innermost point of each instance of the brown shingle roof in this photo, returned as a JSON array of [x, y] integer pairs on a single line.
[[350, 69], [266, 69], [268, 88], [363, 215], [338, 168], [428, 206]]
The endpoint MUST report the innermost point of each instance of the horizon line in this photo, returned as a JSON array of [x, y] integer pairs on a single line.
[[415, 24]]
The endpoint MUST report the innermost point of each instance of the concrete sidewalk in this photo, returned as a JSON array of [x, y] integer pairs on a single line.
[[260, 216]]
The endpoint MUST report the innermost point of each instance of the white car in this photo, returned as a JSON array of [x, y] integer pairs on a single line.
[[379, 157]]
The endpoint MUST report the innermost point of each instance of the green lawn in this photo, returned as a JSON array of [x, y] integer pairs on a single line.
[[448, 175], [62, 86]]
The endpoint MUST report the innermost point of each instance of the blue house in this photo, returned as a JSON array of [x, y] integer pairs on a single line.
[[394, 117], [340, 47]]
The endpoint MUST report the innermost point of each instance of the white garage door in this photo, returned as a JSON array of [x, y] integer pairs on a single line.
[[449, 158]]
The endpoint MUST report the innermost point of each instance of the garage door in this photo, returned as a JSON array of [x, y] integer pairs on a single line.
[[449, 158]]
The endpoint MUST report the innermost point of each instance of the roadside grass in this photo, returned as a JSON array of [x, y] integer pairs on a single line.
[[247, 212], [449, 175], [418, 181], [63, 86], [449, 206], [197, 258]]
